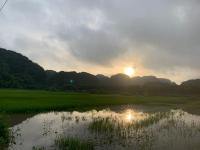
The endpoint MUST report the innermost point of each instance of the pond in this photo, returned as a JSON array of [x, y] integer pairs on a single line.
[[117, 128]]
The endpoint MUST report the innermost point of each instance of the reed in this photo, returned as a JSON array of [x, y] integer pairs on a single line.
[[70, 143]]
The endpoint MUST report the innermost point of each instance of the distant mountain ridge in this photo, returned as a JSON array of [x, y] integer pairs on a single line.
[[17, 71]]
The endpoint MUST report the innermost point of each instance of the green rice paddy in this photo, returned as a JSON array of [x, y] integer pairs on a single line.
[[30, 101]]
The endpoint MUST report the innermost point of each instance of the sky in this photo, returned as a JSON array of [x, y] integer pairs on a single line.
[[157, 37]]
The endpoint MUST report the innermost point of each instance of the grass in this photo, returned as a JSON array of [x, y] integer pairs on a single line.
[[140, 134], [27, 101], [70, 143], [38, 148], [111, 125], [4, 133], [151, 119], [103, 125], [161, 130]]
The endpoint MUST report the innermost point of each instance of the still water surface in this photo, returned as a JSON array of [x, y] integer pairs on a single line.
[[122, 127]]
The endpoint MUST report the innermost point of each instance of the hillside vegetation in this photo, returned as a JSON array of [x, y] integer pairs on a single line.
[[17, 71]]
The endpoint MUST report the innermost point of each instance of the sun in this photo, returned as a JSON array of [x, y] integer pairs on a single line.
[[130, 71]]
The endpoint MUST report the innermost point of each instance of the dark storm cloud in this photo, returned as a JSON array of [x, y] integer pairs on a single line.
[[163, 34]]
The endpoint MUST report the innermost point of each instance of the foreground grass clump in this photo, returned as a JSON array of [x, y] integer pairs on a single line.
[[73, 144], [4, 133]]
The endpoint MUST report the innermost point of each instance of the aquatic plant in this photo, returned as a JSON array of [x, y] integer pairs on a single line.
[[114, 125], [172, 130], [71, 143], [128, 133], [38, 148], [150, 120], [104, 125]]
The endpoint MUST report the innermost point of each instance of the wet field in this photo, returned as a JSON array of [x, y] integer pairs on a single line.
[[115, 128]]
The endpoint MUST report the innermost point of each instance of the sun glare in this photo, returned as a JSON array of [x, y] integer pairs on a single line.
[[130, 71], [129, 117]]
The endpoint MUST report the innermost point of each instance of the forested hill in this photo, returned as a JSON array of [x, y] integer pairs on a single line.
[[17, 71]]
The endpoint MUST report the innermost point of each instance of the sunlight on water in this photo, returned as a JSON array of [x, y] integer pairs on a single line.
[[131, 115], [111, 130]]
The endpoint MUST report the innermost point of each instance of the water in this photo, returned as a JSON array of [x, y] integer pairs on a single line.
[[123, 127]]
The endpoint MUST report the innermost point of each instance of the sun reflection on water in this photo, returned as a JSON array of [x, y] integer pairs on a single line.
[[130, 115]]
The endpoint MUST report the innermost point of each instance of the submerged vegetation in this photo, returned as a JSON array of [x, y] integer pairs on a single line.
[[73, 144], [151, 119], [114, 129], [103, 125], [38, 148], [114, 125], [147, 133], [106, 129]]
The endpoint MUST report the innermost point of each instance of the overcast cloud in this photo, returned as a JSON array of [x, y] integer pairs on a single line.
[[158, 37]]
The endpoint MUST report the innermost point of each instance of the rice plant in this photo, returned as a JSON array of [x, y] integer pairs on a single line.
[[139, 134], [38, 148], [69, 143], [151, 119]]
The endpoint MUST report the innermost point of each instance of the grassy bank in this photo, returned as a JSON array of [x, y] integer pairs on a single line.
[[5, 136], [21, 101]]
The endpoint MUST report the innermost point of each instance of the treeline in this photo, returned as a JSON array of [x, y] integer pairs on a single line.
[[119, 83], [17, 71]]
